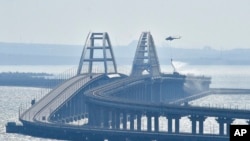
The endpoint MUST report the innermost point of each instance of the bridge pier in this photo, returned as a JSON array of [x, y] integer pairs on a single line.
[[91, 116], [176, 124], [170, 123], [105, 118], [156, 121], [149, 122], [139, 122], [124, 120], [113, 121], [200, 119], [117, 119], [222, 121], [132, 119], [97, 120]]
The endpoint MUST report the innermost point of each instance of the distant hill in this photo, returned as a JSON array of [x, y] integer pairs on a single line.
[[38, 54], [49, 54]]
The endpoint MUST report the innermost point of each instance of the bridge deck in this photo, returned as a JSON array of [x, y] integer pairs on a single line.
[[103, 95], [41, 110]]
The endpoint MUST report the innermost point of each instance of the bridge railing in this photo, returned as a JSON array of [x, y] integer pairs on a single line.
[[68, 93], [57, 80]]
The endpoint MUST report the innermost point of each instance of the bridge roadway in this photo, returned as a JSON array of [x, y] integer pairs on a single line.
[[104, 96], [41, 110]]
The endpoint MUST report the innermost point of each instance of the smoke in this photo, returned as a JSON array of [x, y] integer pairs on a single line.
[[193, 84], [185, 68], [179, 64], [194, 78]]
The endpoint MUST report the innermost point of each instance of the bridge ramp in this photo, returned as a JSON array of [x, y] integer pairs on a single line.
[[52, 101]]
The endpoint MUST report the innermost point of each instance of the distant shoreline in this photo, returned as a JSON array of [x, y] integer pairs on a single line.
[[28, 80], [53, 54]]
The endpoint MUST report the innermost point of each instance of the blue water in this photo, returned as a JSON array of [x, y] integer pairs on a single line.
[[222, 76]]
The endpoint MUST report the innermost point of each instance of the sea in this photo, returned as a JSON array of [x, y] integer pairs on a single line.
[[223, 76]]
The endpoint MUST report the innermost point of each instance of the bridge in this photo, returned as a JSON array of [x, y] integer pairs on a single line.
[[108, 105]]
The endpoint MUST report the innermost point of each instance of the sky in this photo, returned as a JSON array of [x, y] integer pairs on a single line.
[[220, 24]]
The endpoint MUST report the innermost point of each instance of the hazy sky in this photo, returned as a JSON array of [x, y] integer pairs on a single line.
[[221, 24]]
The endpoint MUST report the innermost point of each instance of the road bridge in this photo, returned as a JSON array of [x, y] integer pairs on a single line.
[[115, 105]]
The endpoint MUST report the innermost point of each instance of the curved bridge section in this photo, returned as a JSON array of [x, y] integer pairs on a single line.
[[127, 114]]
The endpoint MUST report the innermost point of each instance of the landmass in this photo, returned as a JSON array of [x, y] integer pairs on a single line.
[[52, 54], [44, 80]]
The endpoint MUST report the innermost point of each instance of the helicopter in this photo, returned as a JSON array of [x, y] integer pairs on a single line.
[[170, 38]]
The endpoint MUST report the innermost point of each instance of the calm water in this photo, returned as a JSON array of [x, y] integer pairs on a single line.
[[222, 76]]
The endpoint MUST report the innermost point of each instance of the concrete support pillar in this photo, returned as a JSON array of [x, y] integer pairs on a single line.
[[177, 124], [170, 123], [201, 120], [117, 120], [222, 121], [91, 117], [193, 119], [139, 122], [97, 119], [132, 118], [228, 123], [113, 122], [156, 123], [149, 122], [221, 126], [124, 121], [105, 118]]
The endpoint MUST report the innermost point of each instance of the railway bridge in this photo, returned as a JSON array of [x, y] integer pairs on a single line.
[[108, 105]]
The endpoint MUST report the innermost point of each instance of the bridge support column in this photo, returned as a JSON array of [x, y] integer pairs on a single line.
[[97, 119], [91, 115], [113, 122], [201, 120], [117, 120], [149, 122], [193, 119], [170, 123], [156, 118], [228, 123], [132, 119], [105, 118], [139, 122], [177, 124], [124, 121], [222, 121]]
